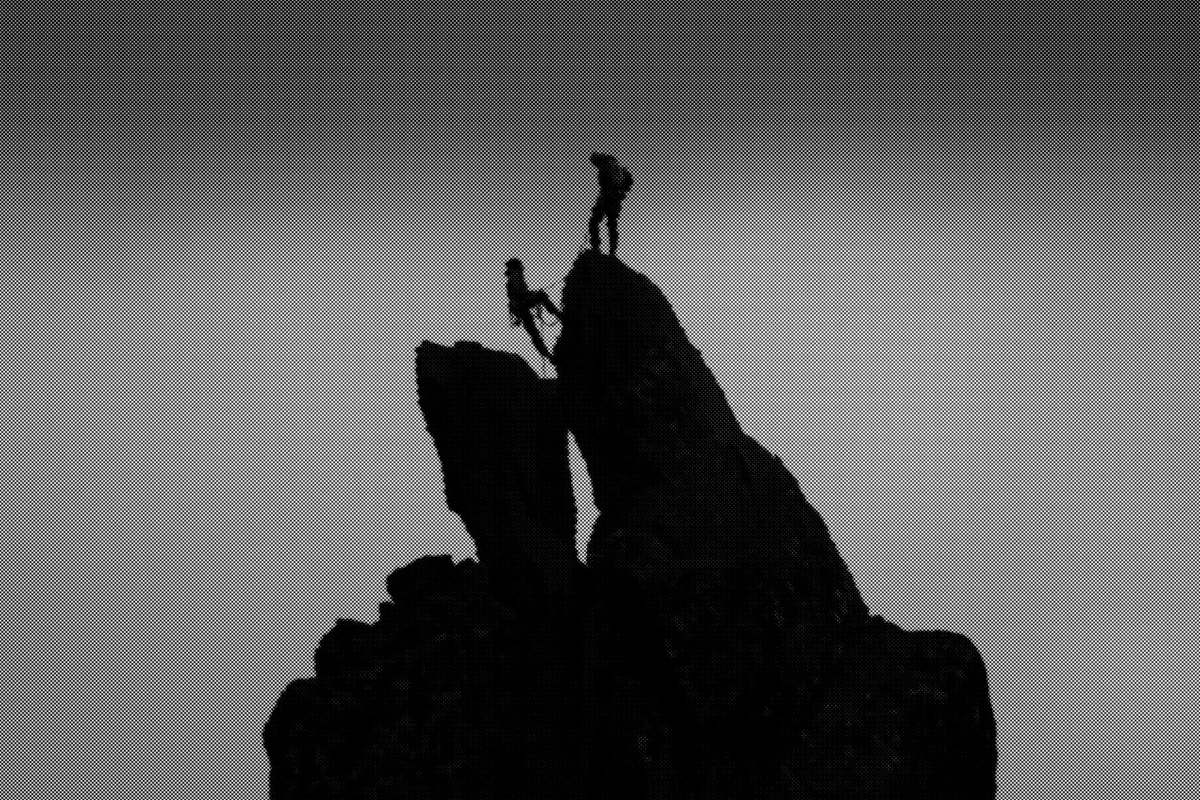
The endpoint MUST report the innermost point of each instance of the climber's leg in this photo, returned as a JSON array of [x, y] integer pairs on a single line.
[[594, 222], [544, 300], [536, 335], [614, 208]]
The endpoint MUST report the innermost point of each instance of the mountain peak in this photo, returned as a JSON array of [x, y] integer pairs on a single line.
[[714, 645]]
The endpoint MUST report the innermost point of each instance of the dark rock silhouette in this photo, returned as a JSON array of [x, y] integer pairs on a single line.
[[502, 440], [715, 646]]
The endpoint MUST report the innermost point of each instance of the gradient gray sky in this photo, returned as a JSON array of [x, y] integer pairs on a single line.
[[948, 286]]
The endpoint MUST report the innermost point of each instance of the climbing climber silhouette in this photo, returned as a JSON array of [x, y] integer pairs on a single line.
[[524, 302], [615, 181]]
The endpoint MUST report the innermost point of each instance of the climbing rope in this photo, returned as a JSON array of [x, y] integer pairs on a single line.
[[543, 324]]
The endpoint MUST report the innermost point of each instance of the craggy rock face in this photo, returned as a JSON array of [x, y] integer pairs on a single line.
[[637, 395], [674, 476], [732, 565], [503, 444], [450, 694], [714, 647]]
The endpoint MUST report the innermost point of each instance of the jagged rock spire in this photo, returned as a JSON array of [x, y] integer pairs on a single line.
[[715, 647]]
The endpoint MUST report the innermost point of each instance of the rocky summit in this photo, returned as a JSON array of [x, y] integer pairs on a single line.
[[714, 645]]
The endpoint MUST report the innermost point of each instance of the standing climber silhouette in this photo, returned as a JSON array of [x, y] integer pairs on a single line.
[[524, 302], [615, 181]]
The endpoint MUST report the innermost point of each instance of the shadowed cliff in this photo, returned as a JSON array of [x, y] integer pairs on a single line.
[[518, 502], [715, 645]]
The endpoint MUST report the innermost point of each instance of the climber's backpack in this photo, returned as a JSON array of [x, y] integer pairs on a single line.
[[621, 179]]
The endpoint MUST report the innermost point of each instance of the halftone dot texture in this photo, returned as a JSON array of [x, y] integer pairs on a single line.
[[1009, 336], [934, 308]]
